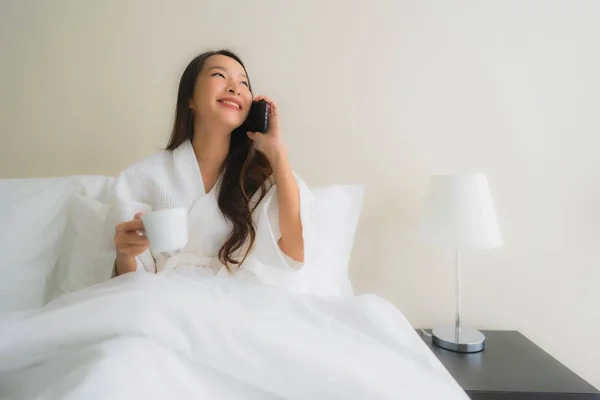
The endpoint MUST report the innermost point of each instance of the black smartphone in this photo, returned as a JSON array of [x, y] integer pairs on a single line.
[[258, 117]]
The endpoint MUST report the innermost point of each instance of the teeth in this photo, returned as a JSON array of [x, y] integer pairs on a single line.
[[230, 103]]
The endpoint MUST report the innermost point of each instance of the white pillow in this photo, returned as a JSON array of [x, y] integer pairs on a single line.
[[333, 219], [84, 261], [334, 215], [33, 217]]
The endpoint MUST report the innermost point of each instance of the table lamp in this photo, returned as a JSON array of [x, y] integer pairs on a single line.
[[459, 213]]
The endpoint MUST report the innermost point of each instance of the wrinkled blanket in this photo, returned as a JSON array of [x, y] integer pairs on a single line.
[[146, 336]]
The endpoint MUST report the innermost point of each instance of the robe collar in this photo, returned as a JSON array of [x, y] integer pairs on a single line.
[[188, 170]]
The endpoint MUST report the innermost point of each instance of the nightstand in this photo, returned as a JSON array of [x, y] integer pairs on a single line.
[[512, 367]]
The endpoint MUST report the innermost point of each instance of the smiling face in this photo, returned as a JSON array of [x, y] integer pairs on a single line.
[[222, 94]]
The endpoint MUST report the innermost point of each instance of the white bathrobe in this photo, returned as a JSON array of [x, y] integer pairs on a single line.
[[172, 179]]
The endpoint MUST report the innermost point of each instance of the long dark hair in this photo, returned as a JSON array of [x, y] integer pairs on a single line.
[[245, 170]]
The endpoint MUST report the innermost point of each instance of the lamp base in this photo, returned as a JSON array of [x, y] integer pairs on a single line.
[[469, 340]]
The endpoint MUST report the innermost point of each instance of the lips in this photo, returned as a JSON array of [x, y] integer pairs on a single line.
[[231, 102]]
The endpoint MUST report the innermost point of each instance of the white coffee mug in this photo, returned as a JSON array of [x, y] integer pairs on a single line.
[[166, 230]]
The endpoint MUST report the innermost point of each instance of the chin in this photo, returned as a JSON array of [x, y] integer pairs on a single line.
[[226, 118], [231, 121], [232, 124]]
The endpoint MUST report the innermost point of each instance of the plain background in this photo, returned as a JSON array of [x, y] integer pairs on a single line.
[[383, 93]]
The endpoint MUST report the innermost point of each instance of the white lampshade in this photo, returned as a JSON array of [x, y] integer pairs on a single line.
[[458, 212]]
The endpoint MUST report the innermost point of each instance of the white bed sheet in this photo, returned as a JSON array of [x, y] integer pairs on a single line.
[[152, 336]]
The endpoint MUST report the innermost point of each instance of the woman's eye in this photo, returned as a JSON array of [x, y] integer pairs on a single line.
[[219, 74], [245, 83]]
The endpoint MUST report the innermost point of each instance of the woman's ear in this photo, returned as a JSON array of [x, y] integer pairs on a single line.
[[191, 104]]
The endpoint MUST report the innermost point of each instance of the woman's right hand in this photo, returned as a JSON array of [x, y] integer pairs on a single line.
[[129, 243]]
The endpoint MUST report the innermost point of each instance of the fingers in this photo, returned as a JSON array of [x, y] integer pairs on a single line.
[[133, 225], [132, 250], [273, 109], [131, 238], [253, 135], [128, 240], [130, 243]]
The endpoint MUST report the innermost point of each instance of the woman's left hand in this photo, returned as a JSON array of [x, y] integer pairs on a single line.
[[269, 143]]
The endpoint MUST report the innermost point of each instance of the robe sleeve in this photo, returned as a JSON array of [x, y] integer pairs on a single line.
[[130, 197], [268, 233]]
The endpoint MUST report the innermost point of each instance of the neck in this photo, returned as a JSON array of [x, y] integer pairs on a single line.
[[211, 147]]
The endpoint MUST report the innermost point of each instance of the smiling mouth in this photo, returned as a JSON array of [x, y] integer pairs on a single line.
[[230, 104]]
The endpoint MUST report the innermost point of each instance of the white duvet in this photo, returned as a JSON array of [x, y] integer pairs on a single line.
[[146, 336]]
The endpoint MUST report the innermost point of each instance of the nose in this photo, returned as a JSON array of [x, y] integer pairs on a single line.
[[233, 89]]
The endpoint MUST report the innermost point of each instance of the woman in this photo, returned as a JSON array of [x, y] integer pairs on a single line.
[[244, 202]]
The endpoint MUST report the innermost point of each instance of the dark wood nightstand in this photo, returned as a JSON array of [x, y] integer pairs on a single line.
[[512, 367]]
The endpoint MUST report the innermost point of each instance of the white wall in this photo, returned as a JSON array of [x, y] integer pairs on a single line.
[[380, 92]]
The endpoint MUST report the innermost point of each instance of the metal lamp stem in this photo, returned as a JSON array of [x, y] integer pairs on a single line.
[[456, 337], [457, 294]]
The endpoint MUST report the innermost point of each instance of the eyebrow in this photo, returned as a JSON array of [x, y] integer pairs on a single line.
[[223, 69]]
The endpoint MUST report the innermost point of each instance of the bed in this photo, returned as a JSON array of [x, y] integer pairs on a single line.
[[69, 331]]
